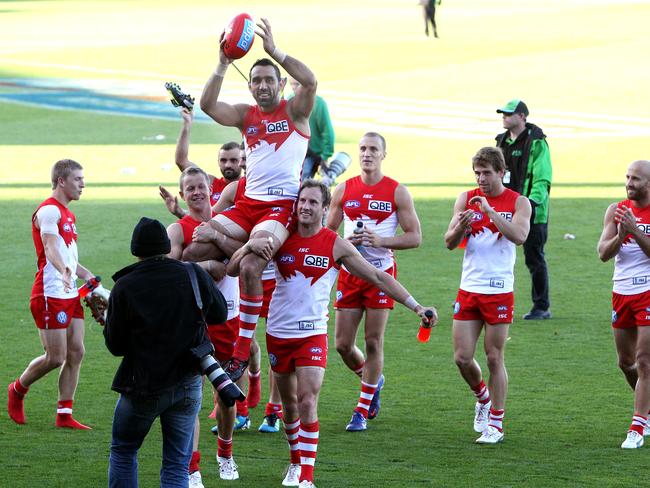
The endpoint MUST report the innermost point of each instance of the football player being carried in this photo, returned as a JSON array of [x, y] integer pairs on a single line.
[[296, 330], [276, 134], [488, 222]]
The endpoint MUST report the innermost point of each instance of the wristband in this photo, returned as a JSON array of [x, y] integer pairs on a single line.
[[221, 70], [411, 303], [278, 55]]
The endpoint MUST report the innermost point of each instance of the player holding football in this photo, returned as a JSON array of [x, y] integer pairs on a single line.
[[307, 265], [380, 204], [276, 134], [55, 303], [626, 237], [488, 222]]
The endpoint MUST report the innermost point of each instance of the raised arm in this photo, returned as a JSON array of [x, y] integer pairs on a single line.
[[345, 252], [183, 144], [460, 224], [301, 105], [171, 202], [220, 112]]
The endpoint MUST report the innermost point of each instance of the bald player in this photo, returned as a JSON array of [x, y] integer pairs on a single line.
[[626, 228]]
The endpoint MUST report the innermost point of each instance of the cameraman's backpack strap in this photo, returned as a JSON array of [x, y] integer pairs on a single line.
[[195, 285]]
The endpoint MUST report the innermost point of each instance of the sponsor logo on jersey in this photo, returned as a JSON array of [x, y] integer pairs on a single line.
[[251, 131], [380, 206], [247, 35], [517, 152], [316, 261], [647, 309], [494, 283], [316, 350], [456, 307], [477, 216], [639, 280], [272, 359], [287, 259], [231, 305], [502, 308], [316, 358], [305, 325], [645, 228], [275, 191], [506, 215], [502, 316], [352, 204], [276, 209], [66, 227], [303, 249], [614, 316], [367, 195], [339, 295], [215, 196], [383, 301], [381, 294], [276, 127], [61, 317]]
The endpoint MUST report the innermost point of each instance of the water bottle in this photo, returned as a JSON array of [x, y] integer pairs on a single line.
[[425, 327], [358, 230], [89, 286]]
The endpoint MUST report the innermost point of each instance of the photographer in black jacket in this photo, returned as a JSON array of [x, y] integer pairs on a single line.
[[153, 321]]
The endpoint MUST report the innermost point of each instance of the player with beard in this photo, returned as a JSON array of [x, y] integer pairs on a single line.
[[626, 237], [296, 330], [276, 135], [488, 223]]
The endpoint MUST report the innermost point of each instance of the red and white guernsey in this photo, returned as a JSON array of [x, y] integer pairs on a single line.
[[218, 184], [275, 151], [229, 285], [375, 207], [56, 219], [632, 265], [489, 262], [305, 274]]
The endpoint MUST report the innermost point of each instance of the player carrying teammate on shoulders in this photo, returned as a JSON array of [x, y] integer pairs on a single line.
[[276, 135], [488, 222], [296, 330]]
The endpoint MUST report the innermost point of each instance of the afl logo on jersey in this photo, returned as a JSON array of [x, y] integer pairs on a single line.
[[61, 317], [251, 131], [215, 196], [287, 259], [478, 216], [272, 359], [456, 307], [339, 295], [67, 228], [380, 206], [317, 261], [614, 316], [275, 127], [316, 350], [352, 204]]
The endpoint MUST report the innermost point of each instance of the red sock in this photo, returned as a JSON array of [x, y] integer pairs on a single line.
[[254, 389], [638, 423], [275, 408], [291, 430], [64, 417], [194, 461], [224, 447], [242, 408], [367, 392], [249, 312], [15, 404], [481, 393], [496, 419], [308, 438], [358, 370]]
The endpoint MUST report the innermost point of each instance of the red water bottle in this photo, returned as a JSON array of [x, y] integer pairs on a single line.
[[425, 327], [89, 286]]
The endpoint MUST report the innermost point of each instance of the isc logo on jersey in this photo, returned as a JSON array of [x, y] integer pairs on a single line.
[[322, 262], [380, 206], [276, 127]]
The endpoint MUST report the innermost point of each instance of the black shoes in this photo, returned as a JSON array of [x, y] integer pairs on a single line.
[[536, 314]]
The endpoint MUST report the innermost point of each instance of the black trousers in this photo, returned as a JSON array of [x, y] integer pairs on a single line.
[[536, 263]]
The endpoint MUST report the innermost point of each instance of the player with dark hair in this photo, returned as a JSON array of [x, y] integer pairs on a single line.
[[307, 265], [488, 223], [54, 302], [276, 135]]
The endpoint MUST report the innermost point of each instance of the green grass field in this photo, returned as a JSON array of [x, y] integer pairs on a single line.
[[580, 66]]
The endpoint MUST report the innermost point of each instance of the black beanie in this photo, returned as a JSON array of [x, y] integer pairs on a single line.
[[149, 239]]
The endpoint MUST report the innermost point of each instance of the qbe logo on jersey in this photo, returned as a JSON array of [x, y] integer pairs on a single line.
[[322, 262], [247, 35], [276, 127], [380, 206]]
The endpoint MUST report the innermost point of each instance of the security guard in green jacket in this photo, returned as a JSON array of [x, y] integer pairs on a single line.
[[529, 172]]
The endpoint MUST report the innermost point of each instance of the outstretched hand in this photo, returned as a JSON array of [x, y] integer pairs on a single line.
[[267, 36]]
